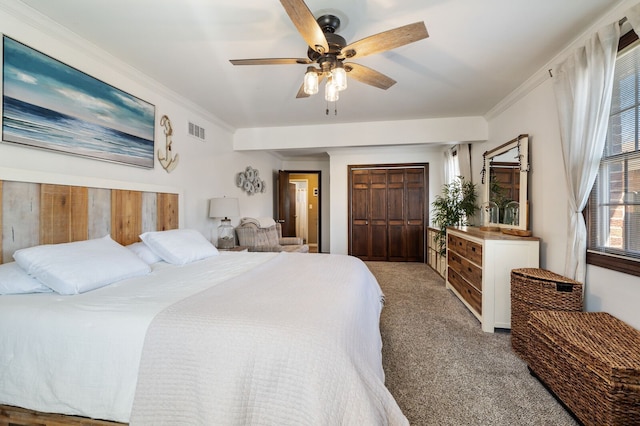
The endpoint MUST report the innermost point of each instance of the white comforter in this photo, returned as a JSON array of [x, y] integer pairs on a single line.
[[292, 339]]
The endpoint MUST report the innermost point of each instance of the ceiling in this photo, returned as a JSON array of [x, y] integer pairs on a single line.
[[476, 54]]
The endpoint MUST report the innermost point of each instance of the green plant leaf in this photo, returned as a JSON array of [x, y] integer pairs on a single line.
[[455, 206]]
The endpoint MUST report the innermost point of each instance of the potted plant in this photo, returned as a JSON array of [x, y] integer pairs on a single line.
[[455, 206]]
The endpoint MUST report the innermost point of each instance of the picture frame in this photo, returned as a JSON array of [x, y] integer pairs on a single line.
[[50, 105]]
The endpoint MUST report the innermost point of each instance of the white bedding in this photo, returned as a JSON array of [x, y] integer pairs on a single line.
[[81, 354]]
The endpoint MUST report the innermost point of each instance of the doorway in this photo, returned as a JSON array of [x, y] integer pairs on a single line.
[[299, 206]]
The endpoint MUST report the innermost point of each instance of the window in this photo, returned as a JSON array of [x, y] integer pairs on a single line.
[[613, 211]]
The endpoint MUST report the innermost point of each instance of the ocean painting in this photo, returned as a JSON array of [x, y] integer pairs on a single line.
[[50, 105]]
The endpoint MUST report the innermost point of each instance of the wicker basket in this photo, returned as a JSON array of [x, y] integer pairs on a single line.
[[591, 361], [534, 289]]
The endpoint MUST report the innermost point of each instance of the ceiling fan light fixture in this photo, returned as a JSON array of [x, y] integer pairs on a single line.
[[331, 93], [327, 50], [311, 81], [339, 76]]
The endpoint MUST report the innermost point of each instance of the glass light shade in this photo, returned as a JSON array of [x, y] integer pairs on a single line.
[[311, 81], [339, 77], [331, 91]]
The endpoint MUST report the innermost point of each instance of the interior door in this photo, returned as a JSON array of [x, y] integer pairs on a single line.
[[286, 214], [368, 212], [387, 212], [359, 223], [415, 200], [378, 243], [397, 215]]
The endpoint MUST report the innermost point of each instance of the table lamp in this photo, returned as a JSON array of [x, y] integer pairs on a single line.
[[224, 208]]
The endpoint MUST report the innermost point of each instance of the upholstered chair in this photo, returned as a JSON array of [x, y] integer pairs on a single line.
[[264, 234]]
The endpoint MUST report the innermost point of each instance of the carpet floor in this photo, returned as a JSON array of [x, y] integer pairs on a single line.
[[439, 365]]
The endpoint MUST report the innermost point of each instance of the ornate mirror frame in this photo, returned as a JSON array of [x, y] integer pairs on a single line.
[[512, 155]]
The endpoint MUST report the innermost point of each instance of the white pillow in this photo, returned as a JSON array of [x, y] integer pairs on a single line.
[[14, 280], [77, 267], [144, 253], [179, 246]]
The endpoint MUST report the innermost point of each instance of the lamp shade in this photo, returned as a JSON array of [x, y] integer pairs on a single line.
[[224, 207], [311, 81], [339, 77], [331, 91]]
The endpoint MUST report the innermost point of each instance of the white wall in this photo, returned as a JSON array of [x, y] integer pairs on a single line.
[[536, 116], [391, 155], [535, 113], [206, 168]]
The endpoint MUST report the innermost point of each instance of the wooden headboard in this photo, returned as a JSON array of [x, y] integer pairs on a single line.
[[44, 213]]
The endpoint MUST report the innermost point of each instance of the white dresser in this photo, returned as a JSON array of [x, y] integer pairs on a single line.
[[479, 265]]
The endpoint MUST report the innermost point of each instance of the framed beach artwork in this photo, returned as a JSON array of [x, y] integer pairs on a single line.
[[50, 105]]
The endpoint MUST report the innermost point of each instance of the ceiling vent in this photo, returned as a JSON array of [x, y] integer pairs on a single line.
[[196, 131]]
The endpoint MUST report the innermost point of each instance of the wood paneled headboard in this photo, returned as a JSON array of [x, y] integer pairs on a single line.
[[45, 213]]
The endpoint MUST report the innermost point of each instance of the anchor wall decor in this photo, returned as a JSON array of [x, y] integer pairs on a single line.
[[167, 161]]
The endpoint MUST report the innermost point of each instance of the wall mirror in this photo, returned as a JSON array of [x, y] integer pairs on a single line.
[[504, 176]]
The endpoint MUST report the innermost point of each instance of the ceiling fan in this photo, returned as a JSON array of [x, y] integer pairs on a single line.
[[329, 51]]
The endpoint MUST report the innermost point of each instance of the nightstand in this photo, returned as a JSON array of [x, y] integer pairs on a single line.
[[236, 248]]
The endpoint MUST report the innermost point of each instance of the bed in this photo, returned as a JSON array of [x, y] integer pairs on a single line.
[[226, 338]]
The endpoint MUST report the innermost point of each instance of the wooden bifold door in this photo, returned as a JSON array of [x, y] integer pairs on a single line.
[[388, 212]]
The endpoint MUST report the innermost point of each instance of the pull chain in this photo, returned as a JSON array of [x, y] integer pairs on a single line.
[[335, 108]]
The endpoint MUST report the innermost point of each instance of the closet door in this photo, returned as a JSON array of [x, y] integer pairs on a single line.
[[378, 215], [387, 212], [406, 224], [416, 218], [369, 214], [397, 215], [360, 200]]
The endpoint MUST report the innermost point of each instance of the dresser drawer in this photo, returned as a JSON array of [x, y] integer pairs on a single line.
[[471, 273], [463, 267], [454, 260], [471, 295], [457, 244], [473, 252]]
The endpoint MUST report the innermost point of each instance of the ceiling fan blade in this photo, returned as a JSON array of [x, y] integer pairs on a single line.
[[368, 76], [270, 61], [301, 93], [387, 40], [306, 24]]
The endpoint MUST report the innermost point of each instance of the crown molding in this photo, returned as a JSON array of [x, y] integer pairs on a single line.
[[614, 14]]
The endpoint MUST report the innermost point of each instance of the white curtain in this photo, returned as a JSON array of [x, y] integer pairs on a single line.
[[464, 161], [450, 165], [583, 86], [457, 162]]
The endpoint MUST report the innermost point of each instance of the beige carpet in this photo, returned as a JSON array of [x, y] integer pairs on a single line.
[[439, 365]]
